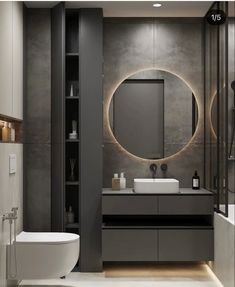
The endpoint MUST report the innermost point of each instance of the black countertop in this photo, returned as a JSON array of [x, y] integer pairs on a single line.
[[182, 191]]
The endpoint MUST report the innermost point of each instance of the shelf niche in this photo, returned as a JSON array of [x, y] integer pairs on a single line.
[[18, 126]]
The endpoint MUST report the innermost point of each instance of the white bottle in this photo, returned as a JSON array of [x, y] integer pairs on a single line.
[[122, 181], [70, 215], [12, 132]]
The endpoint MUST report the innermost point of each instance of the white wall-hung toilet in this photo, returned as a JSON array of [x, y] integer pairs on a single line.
[[44, 255]]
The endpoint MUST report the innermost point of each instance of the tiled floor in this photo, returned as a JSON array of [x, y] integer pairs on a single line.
[[135, 276]]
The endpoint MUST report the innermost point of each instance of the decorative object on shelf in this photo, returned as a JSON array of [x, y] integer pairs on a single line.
[[72, 166], [73, 135], [70, 215], [71, 91], [1, 126], [5, 132], [74, 126], [12, 132]]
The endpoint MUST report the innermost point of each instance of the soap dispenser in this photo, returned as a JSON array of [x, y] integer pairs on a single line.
[[196, 181], [122, 181]]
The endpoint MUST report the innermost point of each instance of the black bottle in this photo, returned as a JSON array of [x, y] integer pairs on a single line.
[[196, 181]]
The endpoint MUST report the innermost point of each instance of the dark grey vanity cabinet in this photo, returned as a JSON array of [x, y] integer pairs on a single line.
[[129, 205], [185, 204], [129, 245], [158, 227], [185, 244]]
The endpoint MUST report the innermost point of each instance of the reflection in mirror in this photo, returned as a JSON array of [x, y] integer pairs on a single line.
[[214, 115], [231, 118], [153, 114]]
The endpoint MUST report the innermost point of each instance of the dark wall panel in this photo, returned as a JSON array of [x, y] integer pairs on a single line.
[[57, 115], [37, 115], [90, 128]]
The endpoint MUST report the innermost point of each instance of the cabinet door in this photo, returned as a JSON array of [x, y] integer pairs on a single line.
[[186, 204], [6, 58], [186, 245], [17, 104], [127, 205], [129, 245]]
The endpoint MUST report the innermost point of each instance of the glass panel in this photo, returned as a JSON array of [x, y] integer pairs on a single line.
[[216, 108], [222, 125], [211, 80]]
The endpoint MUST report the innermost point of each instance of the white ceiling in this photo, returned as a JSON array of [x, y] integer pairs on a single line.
[[135, 8]]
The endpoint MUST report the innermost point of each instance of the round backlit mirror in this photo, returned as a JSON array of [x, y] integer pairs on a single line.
[[153, 114]]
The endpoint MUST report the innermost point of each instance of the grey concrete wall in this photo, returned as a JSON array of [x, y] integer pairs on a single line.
[[174, 45], [37, 111]]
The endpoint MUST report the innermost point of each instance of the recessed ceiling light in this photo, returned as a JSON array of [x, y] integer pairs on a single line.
[[157, 5]]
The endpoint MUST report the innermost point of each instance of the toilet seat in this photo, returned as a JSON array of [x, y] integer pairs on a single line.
[[46, 238]]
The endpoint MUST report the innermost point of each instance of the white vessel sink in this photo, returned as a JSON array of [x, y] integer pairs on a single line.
[[156, 185]]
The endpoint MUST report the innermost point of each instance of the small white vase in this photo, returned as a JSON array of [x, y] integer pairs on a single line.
[[71, 91]]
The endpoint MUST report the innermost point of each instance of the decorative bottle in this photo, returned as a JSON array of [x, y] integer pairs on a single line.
[[12, 132], [70, 215], [122, 181], [5, 132]]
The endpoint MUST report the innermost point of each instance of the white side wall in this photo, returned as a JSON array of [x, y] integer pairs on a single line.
[[11, 59], [11, 104], [6, 58]]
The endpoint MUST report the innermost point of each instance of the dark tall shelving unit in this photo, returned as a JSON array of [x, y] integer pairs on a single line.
[[77, 62], [71, 188]]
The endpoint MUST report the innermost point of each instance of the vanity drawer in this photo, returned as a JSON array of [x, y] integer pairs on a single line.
[[129, 205], [186, 204], [129, 245], [186, 245]]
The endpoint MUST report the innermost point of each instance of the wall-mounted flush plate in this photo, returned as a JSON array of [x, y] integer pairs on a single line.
[[12, 163]]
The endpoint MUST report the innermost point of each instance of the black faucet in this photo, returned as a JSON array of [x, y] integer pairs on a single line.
[[153, 169], [164, 167]]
